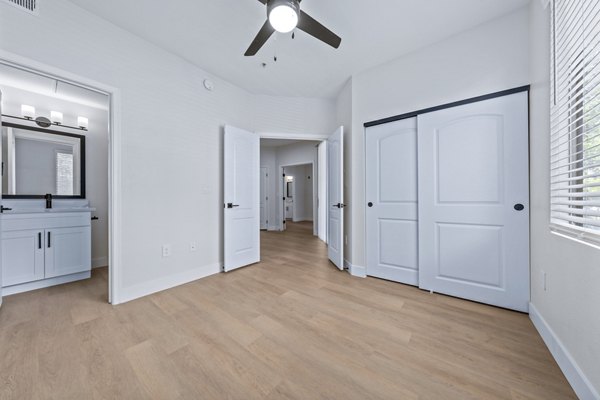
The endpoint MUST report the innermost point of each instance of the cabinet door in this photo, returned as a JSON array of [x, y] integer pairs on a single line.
[[22, 257], [68, 251]]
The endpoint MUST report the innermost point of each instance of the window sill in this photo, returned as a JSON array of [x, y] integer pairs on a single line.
[[586, 238]]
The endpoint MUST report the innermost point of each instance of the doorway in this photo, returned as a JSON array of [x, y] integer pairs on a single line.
[[245, 153], [41, 100]]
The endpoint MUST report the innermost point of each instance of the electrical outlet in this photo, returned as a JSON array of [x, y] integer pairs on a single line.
[[193, 246], [545, 281], [166, 250]]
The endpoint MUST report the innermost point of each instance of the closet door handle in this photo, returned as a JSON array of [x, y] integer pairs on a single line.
[[49, 245], [39, 240]]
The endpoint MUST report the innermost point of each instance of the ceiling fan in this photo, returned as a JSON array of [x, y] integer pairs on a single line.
[[285, 15]]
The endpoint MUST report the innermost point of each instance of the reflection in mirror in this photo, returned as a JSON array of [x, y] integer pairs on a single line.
[[38, 161]]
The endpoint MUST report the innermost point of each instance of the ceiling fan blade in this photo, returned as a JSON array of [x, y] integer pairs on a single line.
[[311, 26], [261, 38]]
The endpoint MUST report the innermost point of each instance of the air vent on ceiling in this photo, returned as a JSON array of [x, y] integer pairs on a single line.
[[30, 6]]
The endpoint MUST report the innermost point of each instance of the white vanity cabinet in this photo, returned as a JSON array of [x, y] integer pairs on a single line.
[[22, 256], [41, 249]]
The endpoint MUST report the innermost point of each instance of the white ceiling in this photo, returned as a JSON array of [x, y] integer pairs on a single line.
[[214, 34]]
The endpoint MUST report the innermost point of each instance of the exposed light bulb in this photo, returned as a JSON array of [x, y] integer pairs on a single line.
[[283, 18]]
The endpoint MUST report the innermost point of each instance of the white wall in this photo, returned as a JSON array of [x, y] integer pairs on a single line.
[[293, 115], [487, 59], [96, 141], [570, 304], [171, 136]]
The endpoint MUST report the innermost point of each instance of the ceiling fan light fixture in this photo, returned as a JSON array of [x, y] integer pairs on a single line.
[[283, 15]]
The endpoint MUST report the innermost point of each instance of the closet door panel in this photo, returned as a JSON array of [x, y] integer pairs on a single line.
[[473, 171], [391, 187]]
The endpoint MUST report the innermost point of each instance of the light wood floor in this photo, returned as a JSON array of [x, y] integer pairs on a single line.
[[292, 327]]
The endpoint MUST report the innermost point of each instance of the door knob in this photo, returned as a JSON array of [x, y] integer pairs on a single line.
[[370, 204], [339, 205], [231, 205], [519, 207]]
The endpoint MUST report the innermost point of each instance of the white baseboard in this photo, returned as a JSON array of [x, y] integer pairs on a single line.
[[44, 283], [579, 382], [355, 270], [99, 262], [168, 282]]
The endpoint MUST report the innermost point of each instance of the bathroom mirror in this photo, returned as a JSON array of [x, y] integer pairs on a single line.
[[36, 161]]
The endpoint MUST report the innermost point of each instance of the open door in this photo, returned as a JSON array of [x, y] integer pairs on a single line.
[[335, 181], [241, 188]]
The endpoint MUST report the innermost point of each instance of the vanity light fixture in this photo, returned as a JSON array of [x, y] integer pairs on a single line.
[[82, 122], [28, 112], [56, 117]]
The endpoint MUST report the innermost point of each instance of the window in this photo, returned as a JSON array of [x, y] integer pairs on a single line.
[[575, 119], [64, 173]]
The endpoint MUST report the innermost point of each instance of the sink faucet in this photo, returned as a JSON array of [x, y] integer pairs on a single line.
[[48, 200]]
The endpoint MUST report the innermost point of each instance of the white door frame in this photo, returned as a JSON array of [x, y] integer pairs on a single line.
[[266, 193], [281, 168], [114, 155], [318, 137]]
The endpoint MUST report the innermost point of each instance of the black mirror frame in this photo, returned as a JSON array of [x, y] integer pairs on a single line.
[[82, 162]]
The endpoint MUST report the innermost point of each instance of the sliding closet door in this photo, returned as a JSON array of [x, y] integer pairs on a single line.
[[391, 187], [474, 201]]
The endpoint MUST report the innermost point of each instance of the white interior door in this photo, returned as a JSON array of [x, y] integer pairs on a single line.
[[335, 183], [474, 201], [391, 187], [264, 176], [241, 188]]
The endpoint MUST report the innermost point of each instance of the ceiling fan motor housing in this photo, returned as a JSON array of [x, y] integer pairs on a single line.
[[293, 4]]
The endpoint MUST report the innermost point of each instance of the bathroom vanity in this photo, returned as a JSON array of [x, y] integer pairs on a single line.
[[42, 248], [45, 220]]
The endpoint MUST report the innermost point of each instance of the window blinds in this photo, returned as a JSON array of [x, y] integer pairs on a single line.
[[575, 119]]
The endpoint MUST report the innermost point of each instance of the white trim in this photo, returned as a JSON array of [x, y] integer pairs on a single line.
[[44, 283], [168, 282], [581, 385], [281, 193], [99, 262], [293, 136], [355, 270], [578, 235], [114, 176]]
